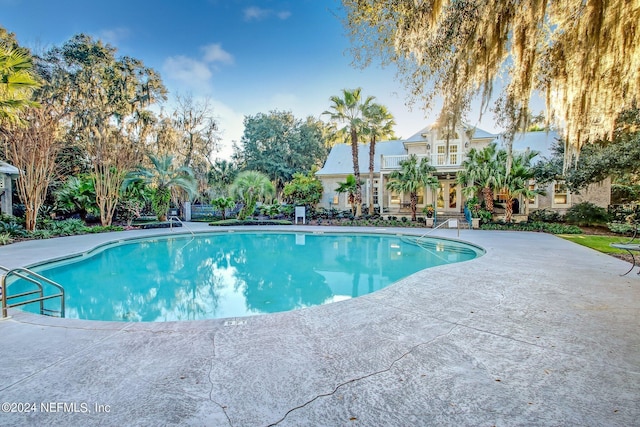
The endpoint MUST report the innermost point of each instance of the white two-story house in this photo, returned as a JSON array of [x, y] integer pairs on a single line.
[[447, 158]]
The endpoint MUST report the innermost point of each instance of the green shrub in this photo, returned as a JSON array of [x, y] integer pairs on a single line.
[[546, 227], [586, 214], [41, 234], [67, 227], [230, 222], [12, 228], [104, 228], [5, 239], [545, 215], [621, 227]]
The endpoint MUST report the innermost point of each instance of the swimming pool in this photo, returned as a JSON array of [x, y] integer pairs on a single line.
[[235, 274]]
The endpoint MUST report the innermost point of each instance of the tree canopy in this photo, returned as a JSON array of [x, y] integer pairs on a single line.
[[279, 145], [617, 158], [582, 56]]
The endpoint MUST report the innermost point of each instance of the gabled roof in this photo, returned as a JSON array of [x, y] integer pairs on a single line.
[[8, 169], [477, 133], [339, 161], [543, 142]]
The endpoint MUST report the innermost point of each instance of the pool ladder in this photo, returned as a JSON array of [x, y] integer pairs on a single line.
[[35, 279]]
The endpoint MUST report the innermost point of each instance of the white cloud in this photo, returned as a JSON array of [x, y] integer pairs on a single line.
[[255, 13], [114, 35], [232, 125], [193, 74], [215, 53]]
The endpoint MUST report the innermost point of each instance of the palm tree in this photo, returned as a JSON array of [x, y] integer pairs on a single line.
[[515, 183], [221, 176], [348, 109], [162, 176], [16, 83], [411, 177], [379, 124], [77, 195], [349, 186], [479, 173], [222, 204], [249, 187]]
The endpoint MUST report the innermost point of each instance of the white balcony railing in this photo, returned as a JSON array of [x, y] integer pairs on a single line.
[[437, 160]]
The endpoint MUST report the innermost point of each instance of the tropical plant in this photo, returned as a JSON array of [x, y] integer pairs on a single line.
[[221, 176], [303, 190], [67, 227], [349, 187], [480, 170], [411, 177], [162, 176], [5, 238], [12, 228], [348, 110], [77, 195], [135, 198], [378, 124], [473, 204], [514, 182], [249, 187], [17, 83], [428, 210], [222, 204]]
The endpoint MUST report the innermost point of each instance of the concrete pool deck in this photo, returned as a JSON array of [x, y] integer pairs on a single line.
[[537, 332]]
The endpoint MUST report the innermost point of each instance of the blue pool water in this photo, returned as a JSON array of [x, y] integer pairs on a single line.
[[223, 275]]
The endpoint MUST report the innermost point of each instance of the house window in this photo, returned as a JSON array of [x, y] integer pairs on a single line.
[[533, 201], [560, 193], [336, 199], [441, 156], [420, 193], [453, 196], [440, 196], [501, 196], [395, 198], [375, 191], [453, 154]]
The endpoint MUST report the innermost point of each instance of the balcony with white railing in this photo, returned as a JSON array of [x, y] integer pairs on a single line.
[[439, 161]]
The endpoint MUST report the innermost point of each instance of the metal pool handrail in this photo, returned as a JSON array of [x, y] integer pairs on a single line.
[[40, 291], [171, 218], [441, 224]]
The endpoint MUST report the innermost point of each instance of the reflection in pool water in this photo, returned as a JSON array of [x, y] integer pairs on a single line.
[[238, 274]]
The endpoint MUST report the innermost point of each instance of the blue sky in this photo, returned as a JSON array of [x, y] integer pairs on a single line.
[[245, 56]]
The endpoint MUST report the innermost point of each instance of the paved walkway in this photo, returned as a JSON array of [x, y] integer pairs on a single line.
[[537, 332]]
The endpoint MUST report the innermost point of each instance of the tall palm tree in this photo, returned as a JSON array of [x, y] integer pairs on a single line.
[[515, 182], [378, 124], [249, 187], [17, 83], [348, 110], [163, 176], [412, 177], [479, 173]]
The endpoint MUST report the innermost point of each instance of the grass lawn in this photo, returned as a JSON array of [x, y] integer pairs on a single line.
[[599, 243]]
